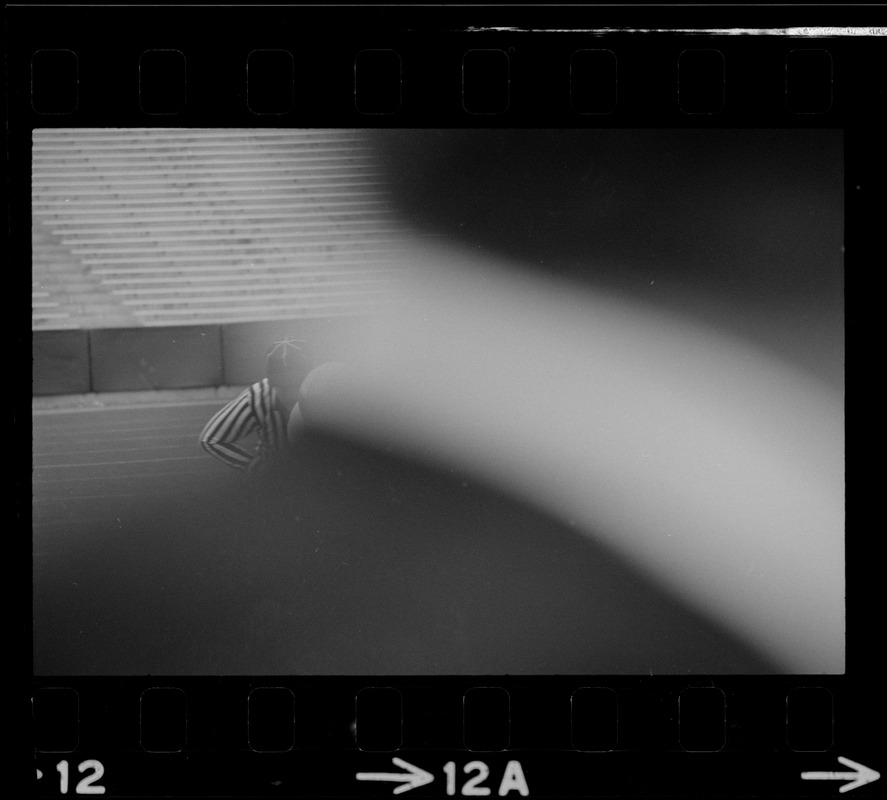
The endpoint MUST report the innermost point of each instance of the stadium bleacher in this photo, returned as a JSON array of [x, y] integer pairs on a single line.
[[172, 227]]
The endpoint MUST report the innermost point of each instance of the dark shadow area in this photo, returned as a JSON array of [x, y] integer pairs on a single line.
[[738, 228], [354, 561]]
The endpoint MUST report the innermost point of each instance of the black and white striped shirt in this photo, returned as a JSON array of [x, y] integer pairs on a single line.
[[253, 411]]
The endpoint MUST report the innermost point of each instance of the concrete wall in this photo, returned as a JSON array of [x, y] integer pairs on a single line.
[[61, 362], [184, 357]]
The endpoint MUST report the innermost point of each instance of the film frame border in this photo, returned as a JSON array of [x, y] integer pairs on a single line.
[[855, 694]]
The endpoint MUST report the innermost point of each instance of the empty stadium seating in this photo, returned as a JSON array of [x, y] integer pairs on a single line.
[[157, 227], [172, 227]]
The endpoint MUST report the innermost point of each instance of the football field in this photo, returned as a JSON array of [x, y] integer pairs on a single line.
[[151, 558]]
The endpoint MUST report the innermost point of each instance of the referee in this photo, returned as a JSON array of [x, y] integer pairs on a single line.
[[263, 409]]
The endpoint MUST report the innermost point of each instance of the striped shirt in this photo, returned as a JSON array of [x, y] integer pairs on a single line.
[[253, 411]]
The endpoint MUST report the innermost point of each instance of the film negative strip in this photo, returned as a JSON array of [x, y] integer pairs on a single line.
[[446, 402]]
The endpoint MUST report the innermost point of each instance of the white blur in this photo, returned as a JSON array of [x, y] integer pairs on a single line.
[[712, 466]]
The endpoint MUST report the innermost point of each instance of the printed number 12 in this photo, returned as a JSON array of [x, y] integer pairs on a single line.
[[512, 781], [85, 784]]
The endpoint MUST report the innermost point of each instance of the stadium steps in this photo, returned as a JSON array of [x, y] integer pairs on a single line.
[[174, 226], [64, 294]]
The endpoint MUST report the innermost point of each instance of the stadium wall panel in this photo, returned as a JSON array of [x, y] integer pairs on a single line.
[[184, 357], [60, 362], [139, 359], [244, 344]]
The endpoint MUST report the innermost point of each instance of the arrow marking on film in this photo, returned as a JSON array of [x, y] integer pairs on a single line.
[[860, 776], [410, 780]]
